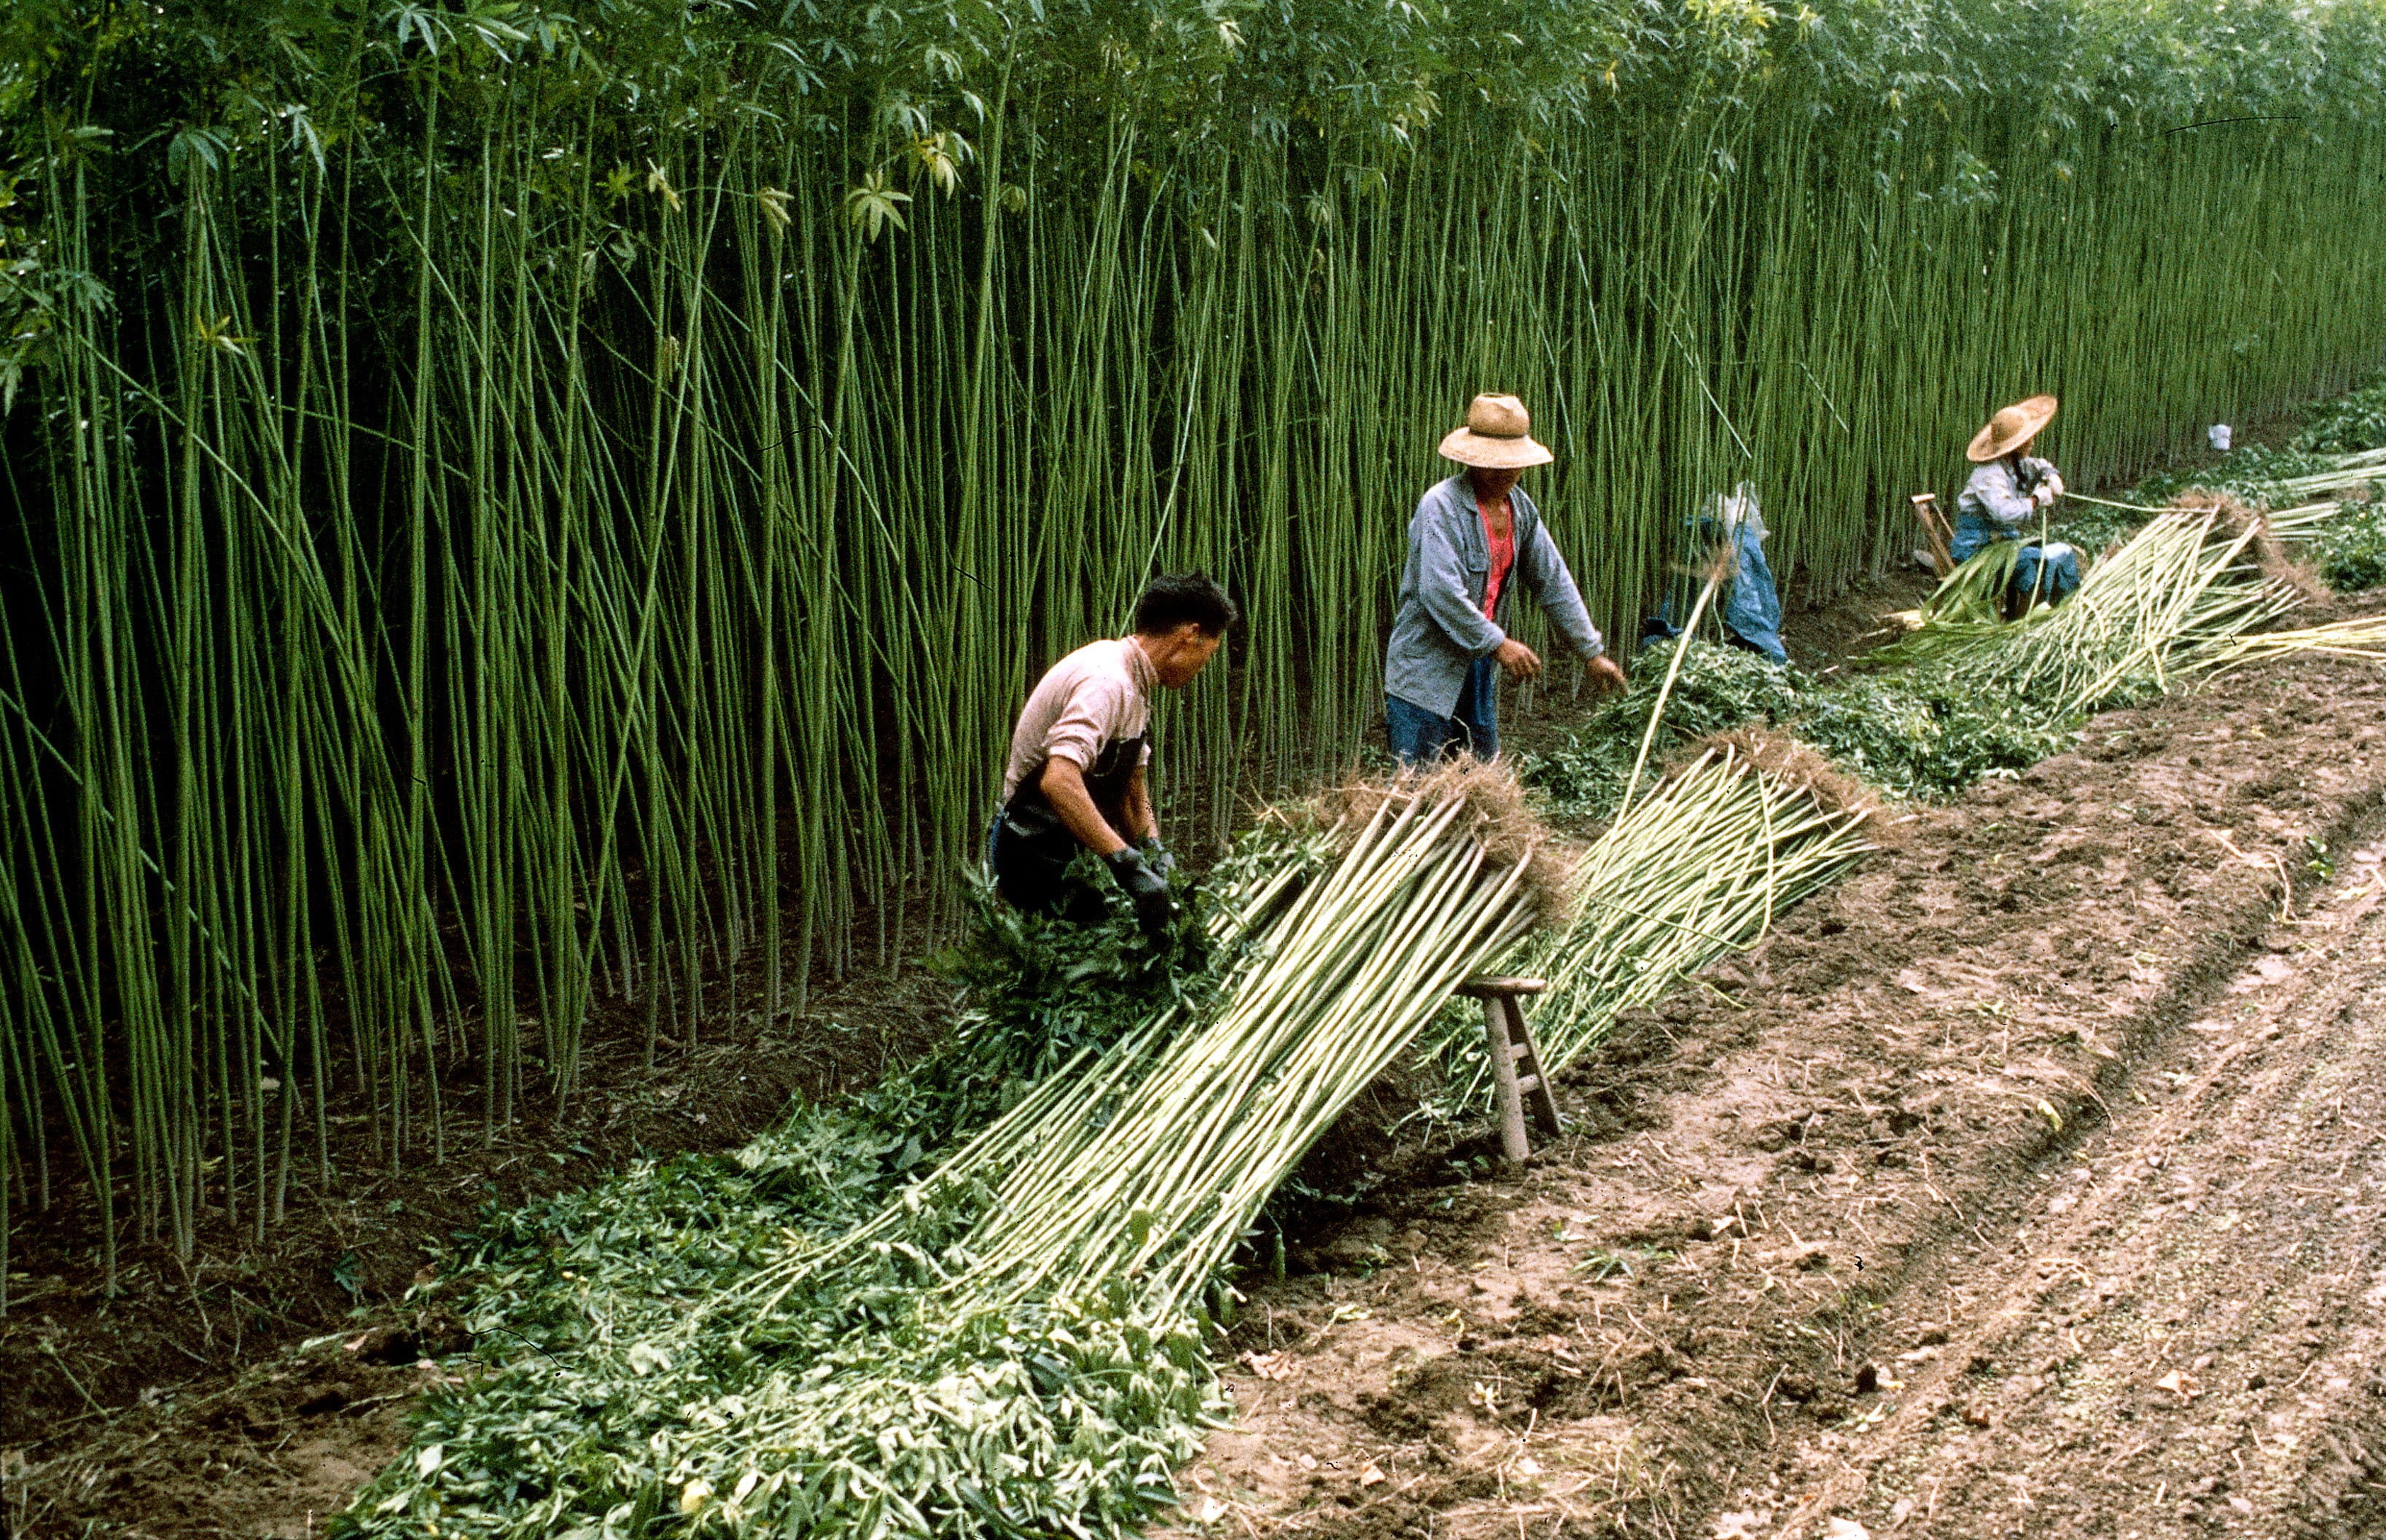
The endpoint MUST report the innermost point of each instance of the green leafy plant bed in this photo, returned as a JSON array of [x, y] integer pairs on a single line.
[[1898, 731], [2349, 424], [2251, 475], [2349, 552]]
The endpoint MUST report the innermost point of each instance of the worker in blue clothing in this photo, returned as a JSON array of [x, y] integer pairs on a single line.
[[2006, 499], [1474, 539]]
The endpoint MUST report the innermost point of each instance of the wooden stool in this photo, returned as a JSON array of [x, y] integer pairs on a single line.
[[1934, 530], [1516, 1063]]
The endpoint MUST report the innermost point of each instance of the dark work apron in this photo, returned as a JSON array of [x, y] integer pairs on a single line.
[[1032, 848]]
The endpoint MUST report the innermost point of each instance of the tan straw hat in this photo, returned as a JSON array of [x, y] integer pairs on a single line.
[[1498, 436], [2010, 428]]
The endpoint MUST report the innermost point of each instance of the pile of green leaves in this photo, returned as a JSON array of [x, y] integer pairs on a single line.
[[579, 1302], [2247, 475], [2349, 424], [2349, 550], [587, 1435], [1896, 730]]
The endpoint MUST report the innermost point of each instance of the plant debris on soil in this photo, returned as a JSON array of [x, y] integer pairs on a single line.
[[1899, 730], [251, 1390]]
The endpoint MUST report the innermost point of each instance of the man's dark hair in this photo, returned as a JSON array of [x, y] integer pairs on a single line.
[[1178, 597]]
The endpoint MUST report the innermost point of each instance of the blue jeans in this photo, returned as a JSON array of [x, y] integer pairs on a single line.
[[2057, 583], [1421, 738]]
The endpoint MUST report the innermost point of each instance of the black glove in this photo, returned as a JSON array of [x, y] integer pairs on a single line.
[[1147, 888], [1156, 856]]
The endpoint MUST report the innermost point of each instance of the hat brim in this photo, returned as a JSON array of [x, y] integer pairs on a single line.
[[1986, 445], [1469, 447]]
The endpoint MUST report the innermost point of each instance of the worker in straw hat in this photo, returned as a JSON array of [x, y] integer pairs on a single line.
[[2006, 499], [1477, 538]]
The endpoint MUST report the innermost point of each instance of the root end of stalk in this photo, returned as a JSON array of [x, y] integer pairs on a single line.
[[1510, 833]]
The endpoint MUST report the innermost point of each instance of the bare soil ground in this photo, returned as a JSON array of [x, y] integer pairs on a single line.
[[2031, 1182]]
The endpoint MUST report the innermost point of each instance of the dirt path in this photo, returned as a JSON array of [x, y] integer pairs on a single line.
[[1822, 1244], [2184, 1331]]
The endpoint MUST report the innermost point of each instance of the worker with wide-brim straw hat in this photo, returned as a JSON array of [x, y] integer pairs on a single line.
[[2012, 429], [1497, 435], [1475, 539], [2006, 498]]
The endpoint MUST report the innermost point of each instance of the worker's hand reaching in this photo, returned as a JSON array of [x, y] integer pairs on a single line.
[[1148, 889], [1521, 661], [1606, 674], [2048, 491], [1156, 856]]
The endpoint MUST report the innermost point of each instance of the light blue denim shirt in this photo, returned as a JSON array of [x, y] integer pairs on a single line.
[[1440, 629]]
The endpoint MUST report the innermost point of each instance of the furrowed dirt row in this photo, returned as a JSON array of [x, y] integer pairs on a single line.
[[1817, 1249], [2184, 1332]]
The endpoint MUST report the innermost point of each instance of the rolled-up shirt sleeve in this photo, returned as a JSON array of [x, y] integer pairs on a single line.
[[1441, 588], [1077, 732], [1545, 573]]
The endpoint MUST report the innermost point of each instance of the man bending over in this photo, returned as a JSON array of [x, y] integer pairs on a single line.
[[1076, 774]]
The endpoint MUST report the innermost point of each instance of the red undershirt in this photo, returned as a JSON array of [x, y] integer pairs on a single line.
[[1503, 560]]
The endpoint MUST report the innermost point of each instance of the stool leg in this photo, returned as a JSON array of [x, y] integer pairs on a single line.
[[1503, 1079], [1532, 1081]]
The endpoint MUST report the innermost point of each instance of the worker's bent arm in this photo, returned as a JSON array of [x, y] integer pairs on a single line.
[[1141, 822], [1999, 495], [1064, 787]]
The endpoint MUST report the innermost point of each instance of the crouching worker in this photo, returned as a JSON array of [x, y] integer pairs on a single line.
[[1076, 774], [2006, 498]]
